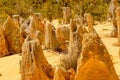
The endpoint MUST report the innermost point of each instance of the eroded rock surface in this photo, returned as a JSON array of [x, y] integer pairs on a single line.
[[12, 35], [95, 62], [34, 65]]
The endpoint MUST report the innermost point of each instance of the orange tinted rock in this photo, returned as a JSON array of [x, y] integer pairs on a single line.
[[3, 44], [75, 44], [94, 62], [12, 35], [34, 65], [93, 70], [58, 74], [31, 25], [60, 32], [50, 37]]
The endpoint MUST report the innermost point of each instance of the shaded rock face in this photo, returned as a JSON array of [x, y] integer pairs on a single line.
[[3, 44], [112, 8], [94, 62], [76, 36], [34, 65], [64, 31], [112, 14], [62, 34], [50, 37], [12, 35], [75, 44], [31, 25], [89, 20], [60, 74]]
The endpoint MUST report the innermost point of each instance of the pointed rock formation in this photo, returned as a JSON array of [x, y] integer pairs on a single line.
[[34, 65], [31, 25], [12, 35], [50, 37], [75, 43], [62, 34], [95, 62]]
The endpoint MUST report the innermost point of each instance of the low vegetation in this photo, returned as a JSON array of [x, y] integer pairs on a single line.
[[53, 8]]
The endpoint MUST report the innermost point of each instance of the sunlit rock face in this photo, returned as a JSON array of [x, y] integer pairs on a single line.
[[12, 35], [95, 62], [34, 65]]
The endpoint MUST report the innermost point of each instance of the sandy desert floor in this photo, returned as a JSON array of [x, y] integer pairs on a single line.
[[9, 66]]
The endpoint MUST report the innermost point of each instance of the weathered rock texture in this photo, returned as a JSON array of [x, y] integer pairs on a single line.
[[33, 24], [62, 34], [63, 31], [76, 34], [12, 35], [112, 14], [60, 74], [34, 65], [112, 8], [37, 25], [16, 19], [89, 22], [66, 15], [50, 37], [94, 62], [3, 44]]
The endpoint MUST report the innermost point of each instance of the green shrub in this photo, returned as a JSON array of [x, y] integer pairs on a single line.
[[53, 8], [97, 8]]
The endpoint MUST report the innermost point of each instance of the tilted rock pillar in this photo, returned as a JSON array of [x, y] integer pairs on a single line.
[[50, 37], [89, 22], [12, 35]]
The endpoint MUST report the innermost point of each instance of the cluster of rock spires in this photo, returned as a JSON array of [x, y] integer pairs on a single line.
[[11, 39], [92, 60]]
